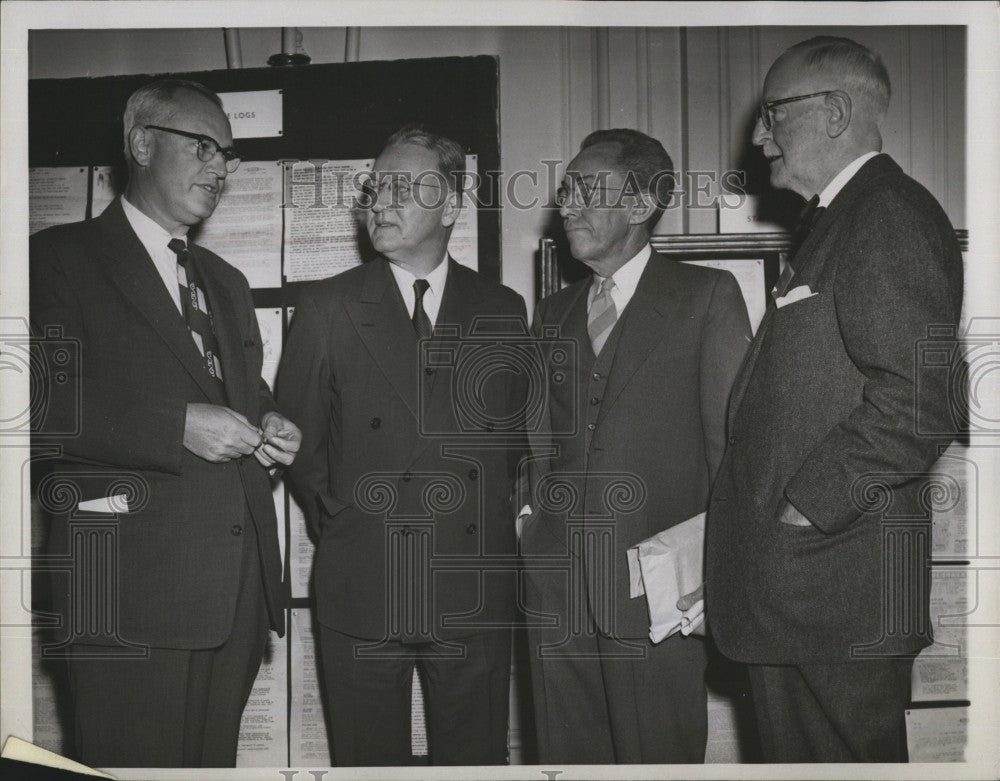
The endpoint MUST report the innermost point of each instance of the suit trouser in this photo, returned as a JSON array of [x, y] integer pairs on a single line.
[[599, 700], [368, 699], [174, 708], [851, 712]]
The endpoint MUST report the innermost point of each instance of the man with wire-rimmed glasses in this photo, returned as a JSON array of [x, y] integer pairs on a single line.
[[172, 404], [637, 434]]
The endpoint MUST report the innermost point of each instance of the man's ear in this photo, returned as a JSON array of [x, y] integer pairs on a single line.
[[642, 209], [139, 147], [838, 106], [452, 208]]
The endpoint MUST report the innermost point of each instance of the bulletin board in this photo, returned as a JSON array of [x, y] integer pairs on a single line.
[[331, 112], [318, 118]]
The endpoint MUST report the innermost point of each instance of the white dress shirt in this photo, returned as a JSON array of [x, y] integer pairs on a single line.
[[432, 296], [626, 280], [155, 239], [838, 182]]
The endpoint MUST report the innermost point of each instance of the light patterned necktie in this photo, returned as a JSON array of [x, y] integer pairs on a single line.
[[603, 315], [197, 314]]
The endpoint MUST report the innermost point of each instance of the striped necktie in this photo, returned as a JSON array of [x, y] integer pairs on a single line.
[[197, 313], [603, 315]]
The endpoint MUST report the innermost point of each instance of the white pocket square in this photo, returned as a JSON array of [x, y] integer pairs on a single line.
[[106, 505], [793, 295]]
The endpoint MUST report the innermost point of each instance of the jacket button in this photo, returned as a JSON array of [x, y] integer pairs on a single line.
[[376, 422], [407, 477], [595, 401], [473, 474], [470, 529], [591, 426], [236, 530], [597, 375], [732, 440], [428, 371]]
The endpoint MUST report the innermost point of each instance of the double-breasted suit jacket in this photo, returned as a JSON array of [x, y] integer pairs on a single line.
[[836, 412], [409, 452], [118, 415]]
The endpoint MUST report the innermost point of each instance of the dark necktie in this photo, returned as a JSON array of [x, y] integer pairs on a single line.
[[808, 218], [421, 322], [197, 313]]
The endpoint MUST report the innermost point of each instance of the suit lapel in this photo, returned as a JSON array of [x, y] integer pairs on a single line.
[[876, 167], [746, 369], [644, 323], [134, 273], [379, 316]]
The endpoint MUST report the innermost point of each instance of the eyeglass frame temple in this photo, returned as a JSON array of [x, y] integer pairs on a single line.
[[229, 153], [765, 106]]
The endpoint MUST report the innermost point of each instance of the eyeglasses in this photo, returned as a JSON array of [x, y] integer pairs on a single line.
[[399, 188], [585, 192], [764, 111], [208, 147]]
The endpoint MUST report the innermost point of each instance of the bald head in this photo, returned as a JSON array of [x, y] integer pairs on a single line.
[[823, 100], [854, 68]]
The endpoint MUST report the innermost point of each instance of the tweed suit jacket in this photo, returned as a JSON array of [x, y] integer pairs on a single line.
[[118, 419], [824, 414], [406, 457]]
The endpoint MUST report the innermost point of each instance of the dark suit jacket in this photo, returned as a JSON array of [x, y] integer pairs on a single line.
[[393, 446], [655, 427], [824, 415], [119, 417]]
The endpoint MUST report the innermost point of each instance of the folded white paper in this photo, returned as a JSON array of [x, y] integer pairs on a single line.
[[108, 505], [666, 567], [793, 295]]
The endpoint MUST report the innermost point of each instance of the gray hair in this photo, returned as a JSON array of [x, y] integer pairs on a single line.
[[153, 104], [860, 69], [450, 155], [644, 161]]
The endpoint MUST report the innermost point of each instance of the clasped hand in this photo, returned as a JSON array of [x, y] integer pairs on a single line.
[[219, 434]]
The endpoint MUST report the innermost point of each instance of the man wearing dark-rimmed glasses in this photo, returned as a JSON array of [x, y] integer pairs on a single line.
[[819, 586], [170, 404]]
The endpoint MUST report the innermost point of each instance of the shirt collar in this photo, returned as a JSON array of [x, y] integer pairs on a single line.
[[841, 179], [150, 232], [435, 280], [627, 276]]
